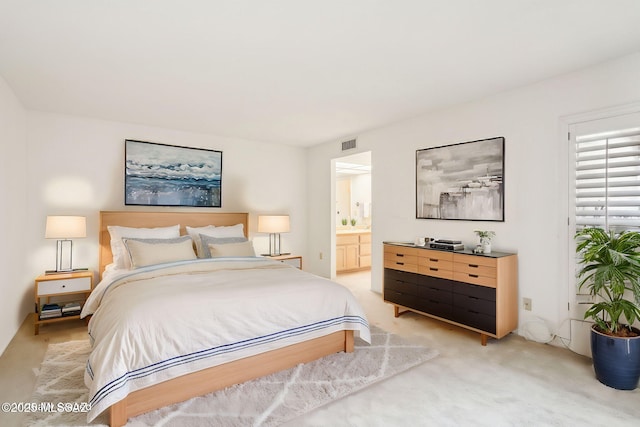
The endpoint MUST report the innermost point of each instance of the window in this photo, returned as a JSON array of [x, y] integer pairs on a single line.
[[603, 188], [607, 179]]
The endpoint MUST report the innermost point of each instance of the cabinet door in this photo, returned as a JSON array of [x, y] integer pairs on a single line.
[[341, 258], [365, 261], [351, 256]]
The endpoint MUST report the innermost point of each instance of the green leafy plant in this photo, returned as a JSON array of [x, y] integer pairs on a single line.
[[484, 234], [610, 268], [353, 221], [344, 221]]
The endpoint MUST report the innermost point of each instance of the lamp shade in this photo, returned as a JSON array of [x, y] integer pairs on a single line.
[[66, 227], [273, 223]]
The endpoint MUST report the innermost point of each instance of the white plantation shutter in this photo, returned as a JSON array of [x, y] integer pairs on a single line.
[[607, 180], [603, 186]]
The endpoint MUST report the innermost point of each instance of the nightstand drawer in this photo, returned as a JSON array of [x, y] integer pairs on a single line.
[[61, 286]]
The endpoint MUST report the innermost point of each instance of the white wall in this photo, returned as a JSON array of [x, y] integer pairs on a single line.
[[530, 118], [13, 222]]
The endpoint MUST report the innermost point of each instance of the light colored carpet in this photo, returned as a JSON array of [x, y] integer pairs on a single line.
[[268, 401]]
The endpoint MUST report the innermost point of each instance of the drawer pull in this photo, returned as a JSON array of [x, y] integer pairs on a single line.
[[474, 276], [433, 260], [399, 263], [399, 255], [433, 269], [473, 265]]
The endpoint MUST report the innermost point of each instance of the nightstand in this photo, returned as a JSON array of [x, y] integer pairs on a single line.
[[64, 287], [295, 260]]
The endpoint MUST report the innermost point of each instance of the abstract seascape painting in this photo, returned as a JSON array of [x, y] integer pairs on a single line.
[[168, 175], [462, 181]]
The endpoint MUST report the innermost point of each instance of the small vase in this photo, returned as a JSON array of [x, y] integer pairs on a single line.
[[486, 246]]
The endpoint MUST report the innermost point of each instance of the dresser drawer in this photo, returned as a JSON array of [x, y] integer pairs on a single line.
[[475, 279], [482, 292], [436, 294], [436, 271], [400, 276], [475, 319], [478, 305], [435, 307], [404, 263], [399, 298], [435, 256], [61, 286], [438, 264], [475, 269], [475, 260], [401, 250], [400, 281]]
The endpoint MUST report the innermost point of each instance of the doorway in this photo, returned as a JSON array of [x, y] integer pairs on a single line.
[[352, 211]]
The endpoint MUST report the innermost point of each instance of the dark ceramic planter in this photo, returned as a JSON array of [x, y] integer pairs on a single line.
[[616, 361]]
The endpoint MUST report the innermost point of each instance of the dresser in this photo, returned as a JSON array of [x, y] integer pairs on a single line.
[[474, 291]]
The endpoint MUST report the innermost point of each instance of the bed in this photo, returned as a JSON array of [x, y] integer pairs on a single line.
[[164, 333]]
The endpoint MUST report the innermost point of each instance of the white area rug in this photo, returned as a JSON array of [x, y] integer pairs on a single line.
[[267, 401]]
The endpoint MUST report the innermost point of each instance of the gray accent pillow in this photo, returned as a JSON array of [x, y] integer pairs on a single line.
[[206, 240]]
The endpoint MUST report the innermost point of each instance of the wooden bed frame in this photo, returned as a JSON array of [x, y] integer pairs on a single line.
[[217, 377]]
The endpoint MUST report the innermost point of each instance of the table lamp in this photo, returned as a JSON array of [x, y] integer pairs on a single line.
[[65, 228], [274, 225]]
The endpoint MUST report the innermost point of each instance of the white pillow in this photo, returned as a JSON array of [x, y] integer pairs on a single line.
[[120, 256], [158, 251], [232, 249], [213, 231]]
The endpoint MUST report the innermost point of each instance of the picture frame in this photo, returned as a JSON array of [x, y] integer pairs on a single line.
[[169, 175], [463, 181]]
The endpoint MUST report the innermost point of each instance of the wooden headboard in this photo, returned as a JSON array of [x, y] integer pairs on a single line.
[[160, 219]]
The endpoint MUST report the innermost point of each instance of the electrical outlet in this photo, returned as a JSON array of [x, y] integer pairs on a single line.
[[526, 303]]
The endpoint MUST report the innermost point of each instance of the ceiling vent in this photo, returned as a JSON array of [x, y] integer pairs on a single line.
[[348, 145]]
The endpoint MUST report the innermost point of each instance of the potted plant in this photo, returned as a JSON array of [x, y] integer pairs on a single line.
[[344, 221], [485, 239], [353, 222], [611, 272]]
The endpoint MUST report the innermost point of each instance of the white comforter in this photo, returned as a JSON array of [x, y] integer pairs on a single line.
[[159, 322]]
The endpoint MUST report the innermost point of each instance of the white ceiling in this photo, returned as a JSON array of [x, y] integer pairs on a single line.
[[298, 72]]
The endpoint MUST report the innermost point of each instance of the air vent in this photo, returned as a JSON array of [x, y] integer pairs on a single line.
[[348, 145]]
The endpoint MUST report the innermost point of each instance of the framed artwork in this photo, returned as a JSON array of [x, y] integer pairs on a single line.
[[168, 175], [461, 181]]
